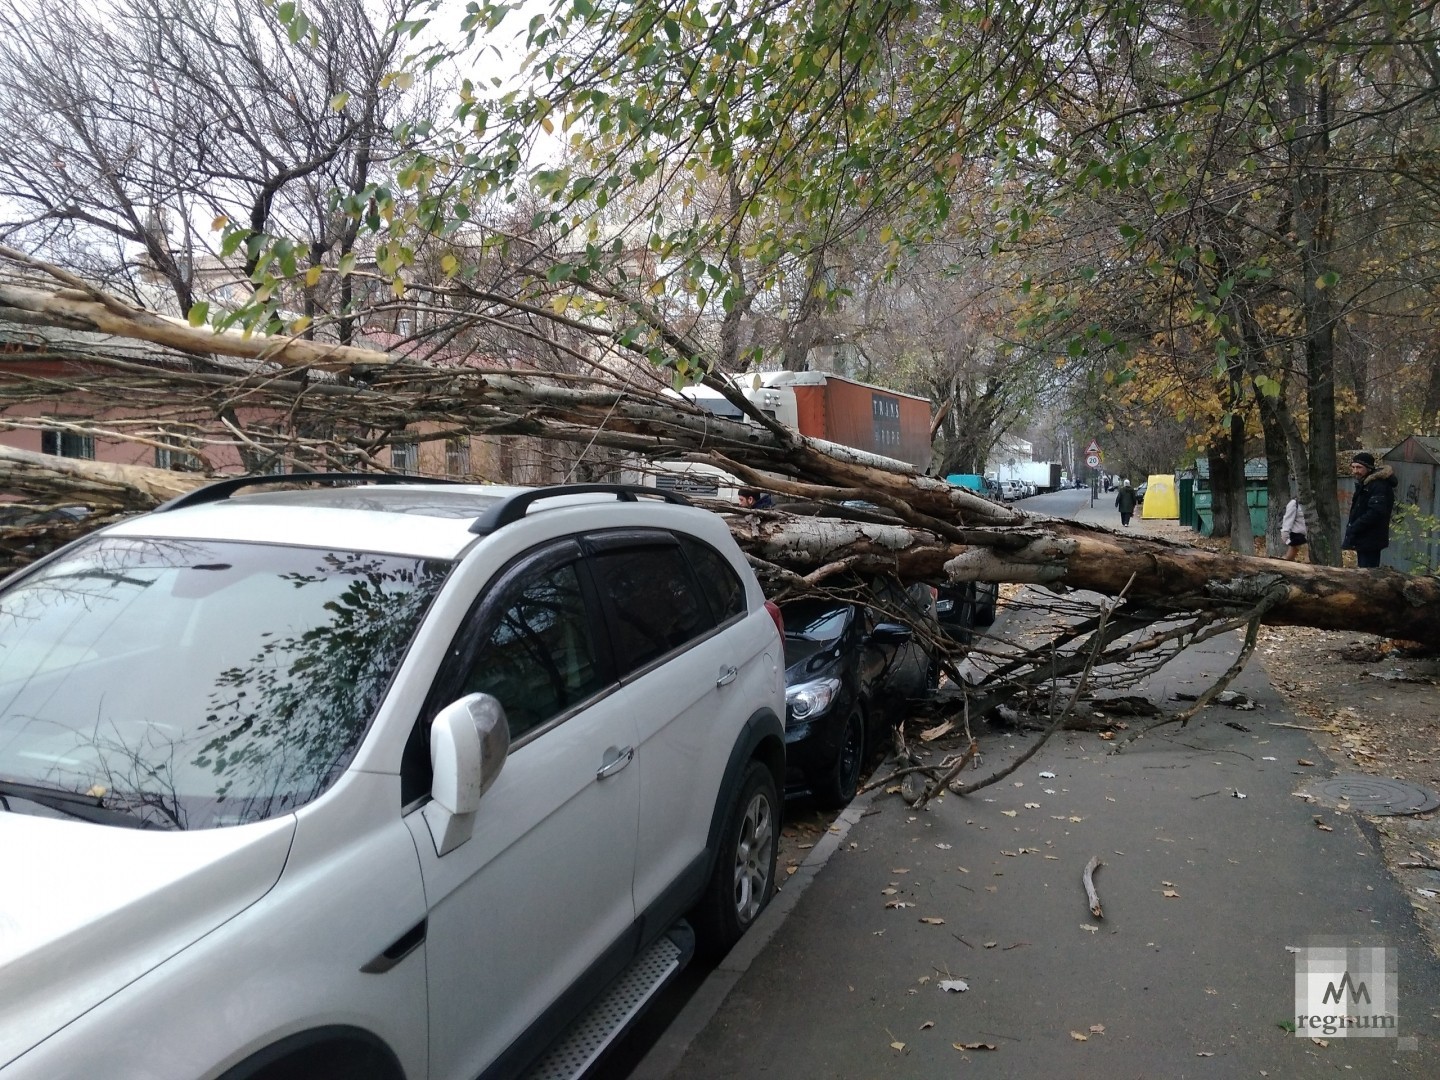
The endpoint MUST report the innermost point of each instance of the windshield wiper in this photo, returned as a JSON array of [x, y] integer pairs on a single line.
[[74, 803]]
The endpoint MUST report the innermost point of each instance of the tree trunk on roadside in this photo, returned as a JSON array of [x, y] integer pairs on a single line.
[[939, 533]]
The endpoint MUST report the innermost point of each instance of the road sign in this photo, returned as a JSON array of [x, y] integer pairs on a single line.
[[1093, 448], [1093, 460]]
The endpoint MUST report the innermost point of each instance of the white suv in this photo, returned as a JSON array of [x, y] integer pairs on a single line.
[[375, 781]]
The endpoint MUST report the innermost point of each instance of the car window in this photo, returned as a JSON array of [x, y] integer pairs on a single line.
[[721, 585], [195, 684], [538, 656], [654, 604]]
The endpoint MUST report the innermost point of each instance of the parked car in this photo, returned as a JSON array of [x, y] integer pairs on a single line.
[[849, 671], [1140, 491], [375, 781], [961, 608]]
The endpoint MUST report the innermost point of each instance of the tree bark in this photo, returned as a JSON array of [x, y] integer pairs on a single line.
[[939, 533]]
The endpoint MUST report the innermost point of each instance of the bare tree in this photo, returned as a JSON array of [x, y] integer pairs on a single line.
[[137, 133]]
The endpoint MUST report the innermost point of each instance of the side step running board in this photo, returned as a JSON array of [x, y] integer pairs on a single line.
[[612, 1013]]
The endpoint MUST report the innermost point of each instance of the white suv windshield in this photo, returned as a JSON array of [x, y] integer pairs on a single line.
[[192, 684]]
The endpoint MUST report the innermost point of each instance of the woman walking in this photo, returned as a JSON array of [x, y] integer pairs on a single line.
[[1125, 503], [1292, 529]]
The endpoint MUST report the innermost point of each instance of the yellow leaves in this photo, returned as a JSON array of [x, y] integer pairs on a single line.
[[221, 221], [449, 264], [312, 276], [300, 325]]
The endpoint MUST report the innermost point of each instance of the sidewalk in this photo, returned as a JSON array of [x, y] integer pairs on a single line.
[[1186, 975]]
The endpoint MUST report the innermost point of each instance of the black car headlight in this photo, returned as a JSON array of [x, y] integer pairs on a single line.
[[810, 699]]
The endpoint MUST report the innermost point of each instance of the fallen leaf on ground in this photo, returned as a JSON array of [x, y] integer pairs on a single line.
[[1318, 1042], [1107, 735], [1168, 884], [1087, 926], [974, 1046], [954, 986], [1304, 761], [791, 869], [932, 920], [1079, 1036], [1097, 1029], [888, 892], [1032, 806], [1323, 827], [898, 904], [943, 847], [927, 1025], [1205, 1053], [1171, 893], [897, 1046], [1074, 820], [1047, 775], [991, 944], [1010, 813]]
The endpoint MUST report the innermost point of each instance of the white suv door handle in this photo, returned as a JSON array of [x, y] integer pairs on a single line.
[[615, 760], [727, 675]]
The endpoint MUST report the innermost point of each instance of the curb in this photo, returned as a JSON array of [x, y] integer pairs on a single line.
[[669, 1050]]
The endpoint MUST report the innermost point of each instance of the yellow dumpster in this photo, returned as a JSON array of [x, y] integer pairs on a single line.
[[1162, 500]]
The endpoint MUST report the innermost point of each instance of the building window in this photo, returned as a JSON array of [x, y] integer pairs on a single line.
[[67, 444], [457, 457], [405, 457], [175, 455]]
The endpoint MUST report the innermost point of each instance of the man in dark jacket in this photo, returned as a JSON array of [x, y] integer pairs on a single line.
[[755, 499], [1367, 530]]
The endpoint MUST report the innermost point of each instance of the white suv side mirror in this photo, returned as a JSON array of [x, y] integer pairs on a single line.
[[469, 740]]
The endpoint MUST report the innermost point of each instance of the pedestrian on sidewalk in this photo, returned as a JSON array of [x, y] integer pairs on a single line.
[[1125, 502], [1367, 530], [1292, 530]]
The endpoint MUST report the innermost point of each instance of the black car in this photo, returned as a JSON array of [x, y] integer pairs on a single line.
[[960, 608], [847, 677]]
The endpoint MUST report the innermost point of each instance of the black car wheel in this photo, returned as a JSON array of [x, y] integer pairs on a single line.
[[744, 876], [837, 787]]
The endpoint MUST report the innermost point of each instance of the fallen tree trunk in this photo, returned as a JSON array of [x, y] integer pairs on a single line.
[[930, 531], [1066, 554], [811, 552]]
